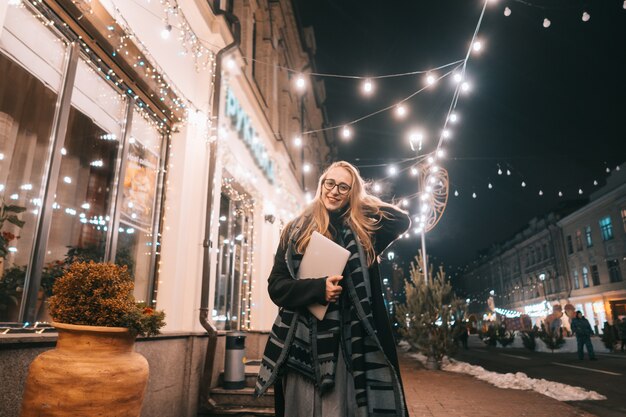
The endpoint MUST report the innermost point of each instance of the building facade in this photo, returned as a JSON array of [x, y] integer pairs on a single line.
[[571, 256], [157, 135]]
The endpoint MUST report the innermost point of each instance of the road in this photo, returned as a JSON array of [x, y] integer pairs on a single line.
[[606, 376]]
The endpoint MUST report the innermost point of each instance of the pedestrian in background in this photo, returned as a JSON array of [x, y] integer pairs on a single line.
[[621, 331], [582, 329]]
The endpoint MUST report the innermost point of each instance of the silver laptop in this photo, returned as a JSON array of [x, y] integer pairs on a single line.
[[322, 258]]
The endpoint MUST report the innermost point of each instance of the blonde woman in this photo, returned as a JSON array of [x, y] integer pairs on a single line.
[[346, 364]]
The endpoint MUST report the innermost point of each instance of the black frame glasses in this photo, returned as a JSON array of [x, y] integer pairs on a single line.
[[342, 187]]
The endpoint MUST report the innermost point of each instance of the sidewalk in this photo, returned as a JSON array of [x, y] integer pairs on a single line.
[[446, 394]]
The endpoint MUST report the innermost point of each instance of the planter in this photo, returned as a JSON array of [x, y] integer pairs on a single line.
[[93, 371]]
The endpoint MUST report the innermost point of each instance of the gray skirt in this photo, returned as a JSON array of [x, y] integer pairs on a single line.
[[303, 399]]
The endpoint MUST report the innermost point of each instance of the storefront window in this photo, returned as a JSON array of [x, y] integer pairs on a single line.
[[136, 228], [27, 108], [81, 218], [232, 308]]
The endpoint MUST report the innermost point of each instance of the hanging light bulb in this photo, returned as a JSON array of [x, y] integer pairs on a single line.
[[306, 168], [456, 193], [560, 194], [523, 184], [300, 82], [414, 171], [401, 111], [454, 117], [445, 133], [440, 153], [430, 79], [595, 182], [474, 195], [617, 168], [230, 63], [580, 191], [368, 87], [457, 77], [508, 172], [404, 203], [507, 12], [624, 5], [540, 192], [346, 133], [392, 170], [586, 17], [499, 171], [546, 23], [416, 138], [608, 170], [477, 46], [430, 159], [490, 186], [377, 187], [297, 142], [166, 32], [466, 87]]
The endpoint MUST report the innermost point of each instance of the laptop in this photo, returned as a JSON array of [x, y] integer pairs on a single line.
[[322, 258]]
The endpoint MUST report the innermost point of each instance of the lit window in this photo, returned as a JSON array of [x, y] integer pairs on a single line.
[[576, 281], [606, 228], [585, 277], [579, 240], [588, 236], [615, 274]]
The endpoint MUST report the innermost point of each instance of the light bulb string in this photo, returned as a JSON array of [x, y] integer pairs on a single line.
[[384, 109]]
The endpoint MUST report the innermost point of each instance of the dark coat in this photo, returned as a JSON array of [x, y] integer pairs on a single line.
[[581, 327], [297, 294]]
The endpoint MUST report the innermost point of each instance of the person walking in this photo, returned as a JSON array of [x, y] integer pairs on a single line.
[[345, 364], [582, 329], [621, 331]]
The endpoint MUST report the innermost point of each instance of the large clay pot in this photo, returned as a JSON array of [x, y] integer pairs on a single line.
[[93, 371]]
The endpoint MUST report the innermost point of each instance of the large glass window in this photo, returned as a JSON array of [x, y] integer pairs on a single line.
[[27, 107], [585, 277], [136, 227], [606, 228], [232, 305], [82, 205], [615, 274]]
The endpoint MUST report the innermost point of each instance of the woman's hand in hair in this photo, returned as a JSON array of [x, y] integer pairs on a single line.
[[333, 289]]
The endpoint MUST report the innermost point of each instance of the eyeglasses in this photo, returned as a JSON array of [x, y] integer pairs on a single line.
[[343, 188]]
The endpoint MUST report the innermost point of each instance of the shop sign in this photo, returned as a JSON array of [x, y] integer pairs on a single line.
[[242, 124], [537, 310]]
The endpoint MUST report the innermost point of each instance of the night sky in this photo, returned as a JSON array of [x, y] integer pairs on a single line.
[[547, 104]]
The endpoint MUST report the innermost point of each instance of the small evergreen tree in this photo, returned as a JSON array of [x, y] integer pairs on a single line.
[[428, 316]]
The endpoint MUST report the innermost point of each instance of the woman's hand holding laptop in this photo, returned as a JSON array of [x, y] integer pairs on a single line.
[[333, 289]]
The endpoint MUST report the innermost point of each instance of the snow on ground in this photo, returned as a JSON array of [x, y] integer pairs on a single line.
[[519, 380]]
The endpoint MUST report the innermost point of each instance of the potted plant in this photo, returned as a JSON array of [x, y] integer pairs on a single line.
[[94, 369]]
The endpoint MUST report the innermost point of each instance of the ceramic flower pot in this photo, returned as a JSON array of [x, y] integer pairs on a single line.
[[93, 371]]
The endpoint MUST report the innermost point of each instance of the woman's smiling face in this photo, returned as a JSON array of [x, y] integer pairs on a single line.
[[334, 200]]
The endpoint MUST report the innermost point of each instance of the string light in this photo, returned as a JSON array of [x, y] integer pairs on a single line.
[[377, 188], [393, 170], [166, 32], [416, 138], [457, 77], [465, 87], [445, 134], [454, 118], [300, 82], [490, 186], [414, 171], [477, 46], [507, 12], [346, 133], [368, 87], [560, 194], [540, 192], [297, 142], [546, 23], [401, 111], [430, 79], [306, 168], [586, 17], [440, 153], [523, 184]]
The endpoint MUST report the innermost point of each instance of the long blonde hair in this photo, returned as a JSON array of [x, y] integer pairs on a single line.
[[363, 214]]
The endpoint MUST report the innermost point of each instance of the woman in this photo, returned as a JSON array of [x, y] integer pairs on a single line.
[[346, 364]]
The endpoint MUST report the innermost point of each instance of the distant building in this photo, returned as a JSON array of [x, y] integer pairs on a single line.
[[572, 255]]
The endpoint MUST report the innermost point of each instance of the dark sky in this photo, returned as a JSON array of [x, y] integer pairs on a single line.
[[547, 104]]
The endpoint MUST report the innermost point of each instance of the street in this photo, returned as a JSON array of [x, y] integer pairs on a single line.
[[606, 376]]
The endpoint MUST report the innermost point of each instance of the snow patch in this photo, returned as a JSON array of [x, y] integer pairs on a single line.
[[519, 380]]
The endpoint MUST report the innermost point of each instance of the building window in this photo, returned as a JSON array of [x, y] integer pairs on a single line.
[[579, 240], [615, 274], [585, 277], [606, 228], [576, 280], [595, 276], [588, 236], [570, 246]]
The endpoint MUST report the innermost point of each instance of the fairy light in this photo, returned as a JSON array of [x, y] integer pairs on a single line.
[[477, 46], [392, 170], [466, 87], [453, 117], [368, 87], [346, 133], [586, 17], [297, 141], [457, 77], [230, 63], [300, 82], [306, 168], [414, 171], [546, 23], [474, 195], [507, 11], [431, 79], [523, 183], [416, 138], [401, 111], [490, 186], [446, 134], [377, 188]]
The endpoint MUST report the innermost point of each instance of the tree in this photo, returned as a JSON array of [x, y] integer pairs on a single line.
[[432, 316]]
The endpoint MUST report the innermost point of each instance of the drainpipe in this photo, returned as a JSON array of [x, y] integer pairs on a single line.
[[207, 243]]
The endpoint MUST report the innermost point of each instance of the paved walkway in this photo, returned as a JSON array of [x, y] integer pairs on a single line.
[[446, 394]]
